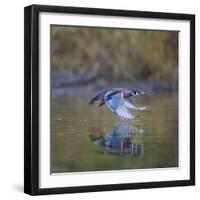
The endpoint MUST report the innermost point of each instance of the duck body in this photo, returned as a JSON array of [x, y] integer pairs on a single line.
[[119, 101]]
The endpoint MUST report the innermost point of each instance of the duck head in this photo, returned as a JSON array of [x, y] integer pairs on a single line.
[[137, 92], [132, 92]]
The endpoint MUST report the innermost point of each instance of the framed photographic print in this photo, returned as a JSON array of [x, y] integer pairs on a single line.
[[109, 99]]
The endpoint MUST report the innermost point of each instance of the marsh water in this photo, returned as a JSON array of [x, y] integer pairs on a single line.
[[87, 138]]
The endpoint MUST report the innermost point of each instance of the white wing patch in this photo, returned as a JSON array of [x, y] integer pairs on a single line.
[[129, 104]]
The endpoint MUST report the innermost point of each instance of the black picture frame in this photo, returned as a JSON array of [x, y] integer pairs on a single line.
[[31, 98]]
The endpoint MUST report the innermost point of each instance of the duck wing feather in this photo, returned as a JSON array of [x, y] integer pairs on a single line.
[[118, 104]]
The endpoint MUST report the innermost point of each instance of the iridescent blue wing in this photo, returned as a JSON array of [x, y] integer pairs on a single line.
[[118, 105]]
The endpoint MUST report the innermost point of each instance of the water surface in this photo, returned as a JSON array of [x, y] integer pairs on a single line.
[[86, 138]]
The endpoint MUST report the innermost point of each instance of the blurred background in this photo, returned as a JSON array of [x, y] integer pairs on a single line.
[[102, 57]]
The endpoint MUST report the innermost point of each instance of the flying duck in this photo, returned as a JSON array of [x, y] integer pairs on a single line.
[[119, 101]]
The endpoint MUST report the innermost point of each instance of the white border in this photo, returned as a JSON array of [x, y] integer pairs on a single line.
[[122, 176]]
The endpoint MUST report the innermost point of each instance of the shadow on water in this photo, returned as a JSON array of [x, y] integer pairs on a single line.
[[120, 140]]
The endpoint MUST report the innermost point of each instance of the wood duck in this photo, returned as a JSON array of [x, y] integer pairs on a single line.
[[118, 100]]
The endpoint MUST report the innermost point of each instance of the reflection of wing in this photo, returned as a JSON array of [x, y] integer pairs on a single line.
[[118, 105], [124, 131]]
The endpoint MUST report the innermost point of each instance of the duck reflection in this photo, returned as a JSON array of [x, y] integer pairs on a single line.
[[120, 140]]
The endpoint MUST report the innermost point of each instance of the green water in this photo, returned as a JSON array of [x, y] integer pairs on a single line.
[[86, 138]]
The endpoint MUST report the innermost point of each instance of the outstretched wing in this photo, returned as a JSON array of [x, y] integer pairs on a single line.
[[118, 105], [129, 104], [98, 99]]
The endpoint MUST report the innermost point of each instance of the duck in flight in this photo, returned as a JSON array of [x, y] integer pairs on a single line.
[[119, 101]]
